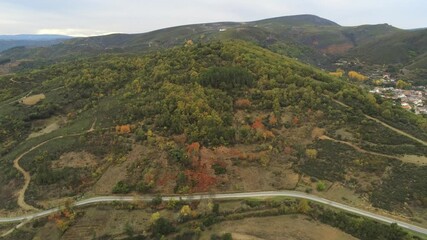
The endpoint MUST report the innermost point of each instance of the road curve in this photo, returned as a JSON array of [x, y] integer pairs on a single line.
[[27, 177], [293, 194]]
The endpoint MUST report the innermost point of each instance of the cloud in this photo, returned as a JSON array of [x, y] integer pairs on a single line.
[[91, 17]]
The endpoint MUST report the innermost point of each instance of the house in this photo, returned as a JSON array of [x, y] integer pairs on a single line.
[[406, 106], [418, 102]]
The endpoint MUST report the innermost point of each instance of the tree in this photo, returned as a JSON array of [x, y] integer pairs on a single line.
[[311, 153], [402, 84], [121, 187], [154, 217], [179, 156], [226, 78], [303, 206], [258, 124], [357, 76], [242, 103], [162, 227], [193, 149], [215, 209], [321, 186], [156, 201], [185, 211], [123, 129], [338, 73]]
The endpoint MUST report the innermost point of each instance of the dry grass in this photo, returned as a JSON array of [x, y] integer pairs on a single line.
[[45, 126], [75, 160], [418, 160], [33, 100], [105, 220], [290, 227]]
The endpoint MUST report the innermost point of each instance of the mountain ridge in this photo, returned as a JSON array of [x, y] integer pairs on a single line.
[[309, 38], [40, 37]]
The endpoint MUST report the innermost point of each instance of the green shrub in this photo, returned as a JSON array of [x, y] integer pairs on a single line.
[[321, 186]]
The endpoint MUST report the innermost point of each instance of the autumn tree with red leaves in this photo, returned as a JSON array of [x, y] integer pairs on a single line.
[[258, 124]]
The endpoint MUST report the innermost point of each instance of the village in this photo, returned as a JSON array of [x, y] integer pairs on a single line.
[[410, 99]]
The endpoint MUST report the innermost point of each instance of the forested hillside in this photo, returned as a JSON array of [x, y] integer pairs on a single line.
[[217, 116], [308, 38]]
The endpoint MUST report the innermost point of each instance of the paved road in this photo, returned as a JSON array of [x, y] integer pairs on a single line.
[[293, 194]]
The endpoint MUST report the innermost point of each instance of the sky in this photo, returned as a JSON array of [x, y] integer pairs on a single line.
[[98, 17]]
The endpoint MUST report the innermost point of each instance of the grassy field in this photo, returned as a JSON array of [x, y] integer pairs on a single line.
[[292, 227]]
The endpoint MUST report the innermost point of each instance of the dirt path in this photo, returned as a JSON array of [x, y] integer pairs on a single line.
[[386, 125], [324, 137], [27, 177], [397, 130]]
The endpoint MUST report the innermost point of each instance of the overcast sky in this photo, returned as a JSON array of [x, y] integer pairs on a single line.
[[95, 17]]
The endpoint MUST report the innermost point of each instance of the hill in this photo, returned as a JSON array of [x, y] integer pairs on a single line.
[[305, 37], [406, 49], [219, 116], [216, 107], [308, 38]]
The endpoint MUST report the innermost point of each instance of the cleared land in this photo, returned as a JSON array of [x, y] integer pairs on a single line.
[[290, 227], [33, 100]]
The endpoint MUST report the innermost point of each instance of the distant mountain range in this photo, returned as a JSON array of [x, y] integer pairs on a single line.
[[309, 38], [30, 40], [34, 37]]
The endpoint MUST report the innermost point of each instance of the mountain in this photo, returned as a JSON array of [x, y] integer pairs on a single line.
[[30, 40], [309, 38], [34, 37], [304, 33], [405, 48], [298, 20]]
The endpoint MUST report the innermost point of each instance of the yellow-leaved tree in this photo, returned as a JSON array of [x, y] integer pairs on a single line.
[[357, 76]]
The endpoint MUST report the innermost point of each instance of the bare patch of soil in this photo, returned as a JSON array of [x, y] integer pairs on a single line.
[[111, 176], [33, 100], [338, 48], [42, 127], [75, 160], [47, 204], [419, 160], [117, 172]]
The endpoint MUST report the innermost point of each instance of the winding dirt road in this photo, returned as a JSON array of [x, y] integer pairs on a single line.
[[27, 177]]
